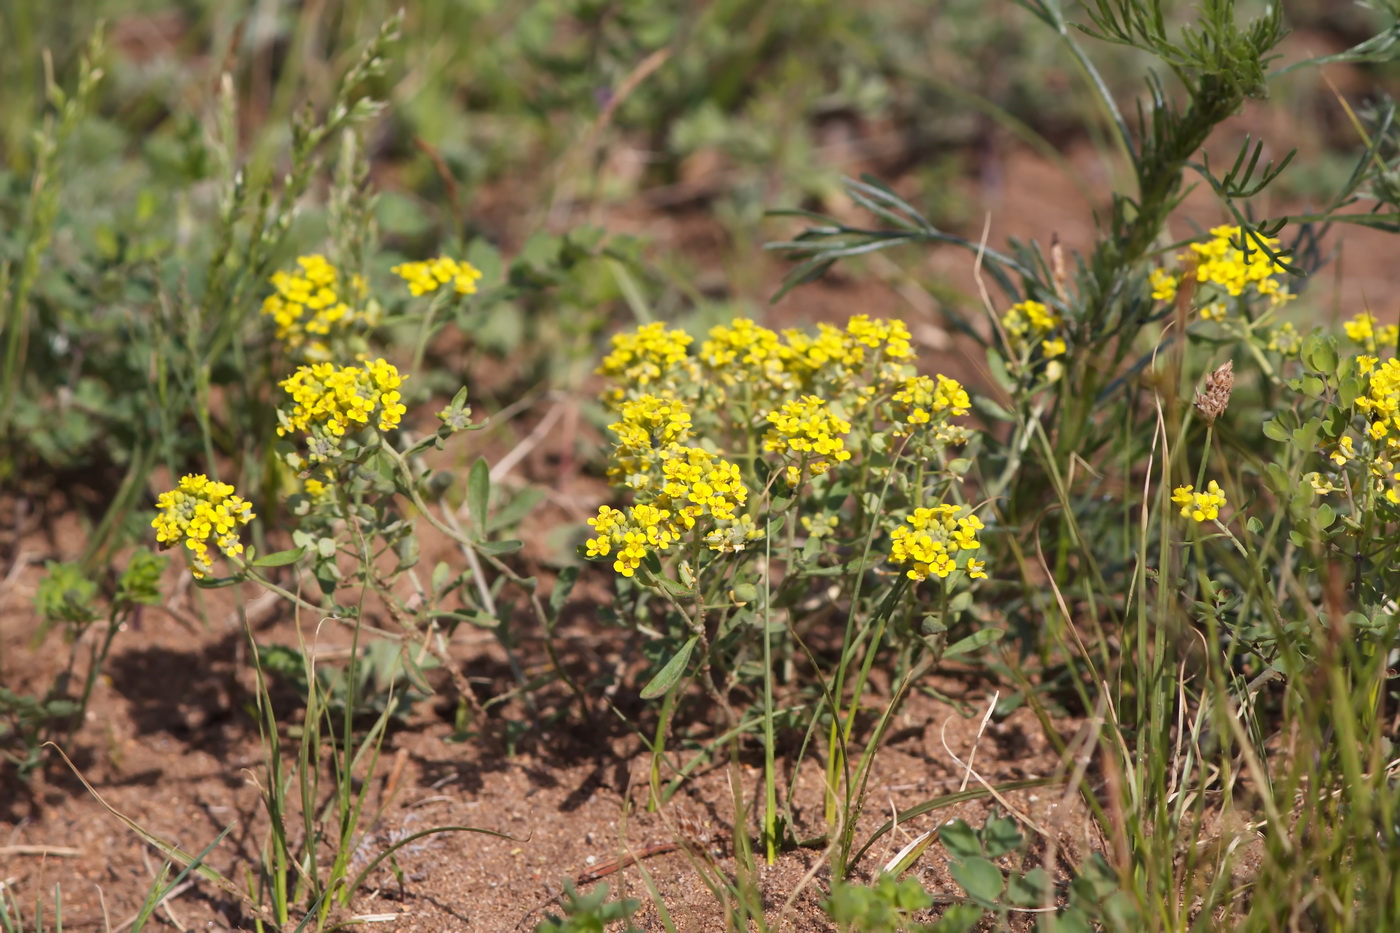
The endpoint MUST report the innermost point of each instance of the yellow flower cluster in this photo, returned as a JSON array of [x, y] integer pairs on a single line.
[[922, 400], [1200, 506], [869, 338], [1344, 451], [1363, 330], [808, 428], [1030, 321], [875, 350], [1215, 311], [745, 353], [629, 539], [1285, 339], [1379, 449], [200, 510], [647, 425], [651, 355], [1381, 403], [697, 483], [428, 276], [328, 399], [680, 489], [769, 365], [1163, 284], [932, 541], [308, 305], [1221, 261], [799, 390], [651, 422]]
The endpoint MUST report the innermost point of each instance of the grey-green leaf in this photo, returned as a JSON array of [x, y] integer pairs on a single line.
[[280, 558], [479, 491], [980, 878], [973, 642], [960, 839], [666, 678], [563, 586]]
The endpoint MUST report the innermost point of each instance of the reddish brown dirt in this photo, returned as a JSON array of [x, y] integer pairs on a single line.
[[170, 743]]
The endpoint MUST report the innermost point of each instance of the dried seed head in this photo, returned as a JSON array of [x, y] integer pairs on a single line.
[[1212, 402], [692, 829]]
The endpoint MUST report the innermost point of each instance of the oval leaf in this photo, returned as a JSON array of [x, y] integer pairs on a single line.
[[478, 491], [960, 839], [973, 642], [1033, 889], [563, 586], [1000, 836], [666, 678], [280, 558], [980, 878]]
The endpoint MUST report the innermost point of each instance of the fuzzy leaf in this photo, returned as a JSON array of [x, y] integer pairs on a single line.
[[980, 878], [666, 678], [563, 586], [479, 491], [974, 642], [280, 558], [1000, 836], [960, 839]]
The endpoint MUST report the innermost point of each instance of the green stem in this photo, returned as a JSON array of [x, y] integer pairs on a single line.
[[770, 788]]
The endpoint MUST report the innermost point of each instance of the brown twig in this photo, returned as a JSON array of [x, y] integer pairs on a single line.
[[445, 173], [618, 863]]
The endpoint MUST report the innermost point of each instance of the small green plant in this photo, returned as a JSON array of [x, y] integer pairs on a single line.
[[67, 599], [1092, 897], [886, 906], [385, 680], [591, 913]]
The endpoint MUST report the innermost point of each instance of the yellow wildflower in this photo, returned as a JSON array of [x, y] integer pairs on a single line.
[[922, 400], [650, 356], [1200, 506], [307, 305], [1163, 285], [1028, 320], [329, 399], [745, 353], [1344, 451], [1221, 261], [200, 510], [695, 488], [1285, 339], [932, 541], [807, 427], [428, 276]]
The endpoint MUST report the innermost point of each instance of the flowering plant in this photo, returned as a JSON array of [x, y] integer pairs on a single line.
[[785, 483]]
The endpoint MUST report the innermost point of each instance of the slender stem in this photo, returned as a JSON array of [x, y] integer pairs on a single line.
[[770, 789], [253, 576]]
